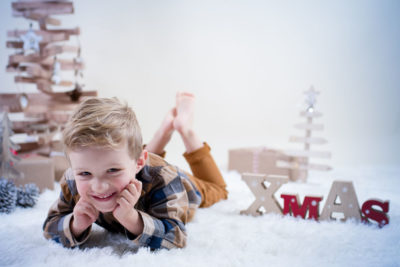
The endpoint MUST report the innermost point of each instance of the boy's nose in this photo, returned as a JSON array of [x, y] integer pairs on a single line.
[[99, 185]]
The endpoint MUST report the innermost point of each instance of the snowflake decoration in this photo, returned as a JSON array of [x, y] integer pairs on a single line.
[[31, 40]]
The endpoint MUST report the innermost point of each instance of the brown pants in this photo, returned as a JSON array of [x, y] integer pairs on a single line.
[[206, 176]]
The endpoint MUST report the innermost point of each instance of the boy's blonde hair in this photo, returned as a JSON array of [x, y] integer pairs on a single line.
[[104, 122]]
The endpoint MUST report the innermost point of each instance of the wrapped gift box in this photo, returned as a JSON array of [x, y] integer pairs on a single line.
[[257, 160], [37, 169], [262, 160], [54, 151]]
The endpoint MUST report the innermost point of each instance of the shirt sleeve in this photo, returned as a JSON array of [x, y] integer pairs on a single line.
[[164, 220], [57, 223]]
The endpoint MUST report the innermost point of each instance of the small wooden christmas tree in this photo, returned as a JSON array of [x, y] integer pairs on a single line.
[[301, 164], [37, 59], [7, 158]]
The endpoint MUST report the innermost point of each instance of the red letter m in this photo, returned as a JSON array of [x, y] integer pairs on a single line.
[[291, 206]]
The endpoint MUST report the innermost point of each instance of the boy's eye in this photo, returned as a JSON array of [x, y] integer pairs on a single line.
[[112, 170], [84, 173]]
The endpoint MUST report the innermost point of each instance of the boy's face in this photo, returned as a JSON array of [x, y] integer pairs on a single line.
[[102, 173]]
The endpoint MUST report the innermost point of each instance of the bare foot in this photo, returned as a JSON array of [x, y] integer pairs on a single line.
[[183, 122], [163, 134], [167, 126]]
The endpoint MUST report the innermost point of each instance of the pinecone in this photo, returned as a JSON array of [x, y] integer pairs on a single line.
[[27, 195], [8, 195]]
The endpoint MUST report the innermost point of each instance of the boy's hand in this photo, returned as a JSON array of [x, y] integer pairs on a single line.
[[125, 212], [83, 216]]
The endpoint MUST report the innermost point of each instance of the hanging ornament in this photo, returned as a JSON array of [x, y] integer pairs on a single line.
[[31, 40], [311, 99], [55, 77], [76, 93], [78, 72]]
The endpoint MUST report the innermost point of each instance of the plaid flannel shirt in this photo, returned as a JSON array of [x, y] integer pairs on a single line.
[[167, 202]]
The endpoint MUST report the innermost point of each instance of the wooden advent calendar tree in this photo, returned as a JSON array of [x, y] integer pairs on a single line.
[[47, 56], [44, 57], [37, 59], [301, 164]]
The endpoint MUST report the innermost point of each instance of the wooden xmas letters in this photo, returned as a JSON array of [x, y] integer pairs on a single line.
[[342, 199]]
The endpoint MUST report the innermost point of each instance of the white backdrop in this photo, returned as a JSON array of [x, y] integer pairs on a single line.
[[248, 62]]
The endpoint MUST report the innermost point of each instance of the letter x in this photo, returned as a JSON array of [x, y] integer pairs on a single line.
[[264, 195]]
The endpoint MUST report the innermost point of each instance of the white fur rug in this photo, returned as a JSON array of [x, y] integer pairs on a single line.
[[219, 236]]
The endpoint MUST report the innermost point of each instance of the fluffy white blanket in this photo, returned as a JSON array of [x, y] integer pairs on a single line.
[[220, 236]]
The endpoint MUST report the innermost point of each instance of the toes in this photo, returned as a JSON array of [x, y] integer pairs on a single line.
[[179, 95], [187, 94]]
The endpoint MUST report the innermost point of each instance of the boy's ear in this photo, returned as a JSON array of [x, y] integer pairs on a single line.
[[141, 160]]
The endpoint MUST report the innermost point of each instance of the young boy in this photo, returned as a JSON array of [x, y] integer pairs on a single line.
[[116, 184]]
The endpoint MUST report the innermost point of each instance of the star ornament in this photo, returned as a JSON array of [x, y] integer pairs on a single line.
[[31, 41], [311, 98]]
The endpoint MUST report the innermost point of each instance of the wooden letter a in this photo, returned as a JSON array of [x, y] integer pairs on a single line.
[[348, 198]]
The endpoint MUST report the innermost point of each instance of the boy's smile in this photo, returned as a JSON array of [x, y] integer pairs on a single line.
[[102, 173], [104, 197]]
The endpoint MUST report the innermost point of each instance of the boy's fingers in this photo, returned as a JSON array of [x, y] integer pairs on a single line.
[[95, 212], [81, 209], [138, 185], [128, 195], [92, 216], [90, 210], [83, 201], [87, 204], [83, 213], [123, 202], [135, 187], [131, 188]]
